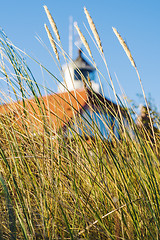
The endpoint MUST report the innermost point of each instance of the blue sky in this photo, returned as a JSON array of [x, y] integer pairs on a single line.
[[137, 21]]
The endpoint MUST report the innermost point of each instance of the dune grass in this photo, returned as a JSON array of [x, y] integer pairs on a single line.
[[53, 187]]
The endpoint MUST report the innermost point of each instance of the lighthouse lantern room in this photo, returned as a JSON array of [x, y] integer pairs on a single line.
[[74, 72]]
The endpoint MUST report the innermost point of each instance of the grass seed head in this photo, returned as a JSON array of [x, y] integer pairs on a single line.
[[52, 22], [125, 47], [52, 42], [84, 41], [94, 30]]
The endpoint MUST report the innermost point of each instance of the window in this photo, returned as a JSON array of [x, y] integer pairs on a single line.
[[78, 73]]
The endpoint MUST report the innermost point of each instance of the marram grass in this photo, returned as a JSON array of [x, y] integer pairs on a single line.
[[94, 30], [52, 42], [53, 187], [83, 39]]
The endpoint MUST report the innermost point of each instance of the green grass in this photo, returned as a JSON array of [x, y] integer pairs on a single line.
[[53, 188]]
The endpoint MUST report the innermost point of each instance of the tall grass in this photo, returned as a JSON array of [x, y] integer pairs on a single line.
[[60, 186]]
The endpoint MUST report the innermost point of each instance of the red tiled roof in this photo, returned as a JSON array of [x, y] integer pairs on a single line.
[[57, 109]]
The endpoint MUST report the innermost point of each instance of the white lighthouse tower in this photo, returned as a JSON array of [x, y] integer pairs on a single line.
[[73, 73]]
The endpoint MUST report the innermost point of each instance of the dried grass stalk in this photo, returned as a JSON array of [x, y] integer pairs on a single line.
[[84, 41], [84, 83], [94, 30], [89, 81], [125, 47], [52, 42], [52, 22]]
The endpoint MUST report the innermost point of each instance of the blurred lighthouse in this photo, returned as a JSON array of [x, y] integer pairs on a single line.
[[74, 72]]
